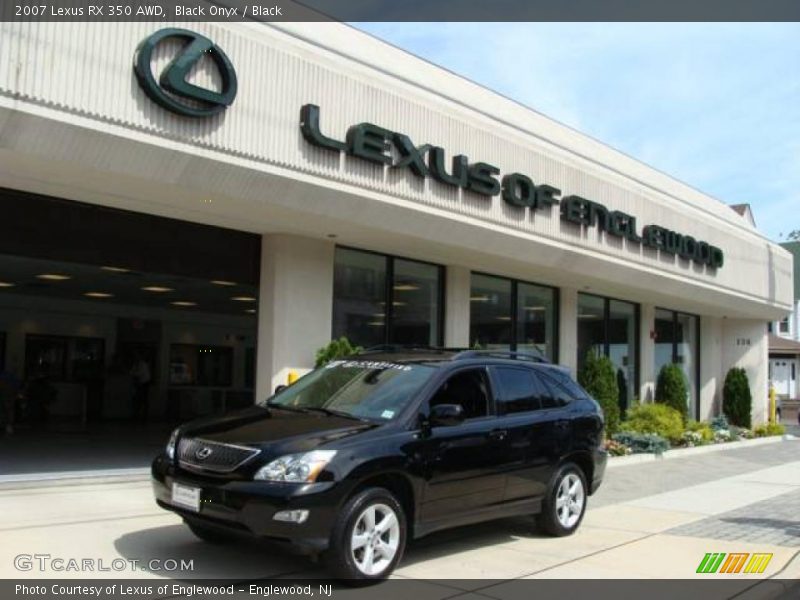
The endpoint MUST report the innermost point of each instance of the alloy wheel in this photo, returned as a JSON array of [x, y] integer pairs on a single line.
[[375, 539], [570, 499]]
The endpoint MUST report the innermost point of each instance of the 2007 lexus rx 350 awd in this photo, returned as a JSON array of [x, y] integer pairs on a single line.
[[361, 455]]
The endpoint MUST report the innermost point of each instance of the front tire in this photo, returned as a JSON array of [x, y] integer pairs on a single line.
[[369, 537], [565, 503]]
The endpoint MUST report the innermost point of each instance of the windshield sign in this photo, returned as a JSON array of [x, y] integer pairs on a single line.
[[363, 389]]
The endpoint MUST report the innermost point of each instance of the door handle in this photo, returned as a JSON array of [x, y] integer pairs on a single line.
[[498, 434]]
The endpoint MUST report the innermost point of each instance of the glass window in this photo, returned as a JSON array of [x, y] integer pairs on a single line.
[[519, 391], [469, 389], [359, 297], [556, 395], [783, 326], [686, 349], [512, 315], [677, 342], [609, 327], [370, 313], [191, 364], [591, 326], [416, 303], [490, 312], [536, 321], [622, 345]]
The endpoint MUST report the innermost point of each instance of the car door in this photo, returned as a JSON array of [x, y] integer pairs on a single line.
[[460, 461], [520, 397]]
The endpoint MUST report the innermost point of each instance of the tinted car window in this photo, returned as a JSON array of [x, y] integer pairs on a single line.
[[556, 395], [519, 391], [567, 382], [469, 389]]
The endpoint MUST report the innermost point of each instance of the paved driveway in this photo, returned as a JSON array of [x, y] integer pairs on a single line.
[[651, 520]]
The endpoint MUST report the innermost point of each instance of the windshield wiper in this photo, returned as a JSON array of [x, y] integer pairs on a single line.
[[334, 413], [286, 407]]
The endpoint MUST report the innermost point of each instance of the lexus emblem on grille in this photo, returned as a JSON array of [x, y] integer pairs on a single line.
[[203, 453]]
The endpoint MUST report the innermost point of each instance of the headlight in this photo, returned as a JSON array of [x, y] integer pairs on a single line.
[[302, 468], [173, 439]]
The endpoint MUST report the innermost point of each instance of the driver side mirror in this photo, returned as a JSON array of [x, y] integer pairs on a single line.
[[446, 415]]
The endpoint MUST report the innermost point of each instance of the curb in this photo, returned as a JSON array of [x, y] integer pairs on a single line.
[[58, 478], [635, 459]]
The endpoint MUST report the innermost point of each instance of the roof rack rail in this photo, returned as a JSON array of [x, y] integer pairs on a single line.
[[537, 358], [407, 348]]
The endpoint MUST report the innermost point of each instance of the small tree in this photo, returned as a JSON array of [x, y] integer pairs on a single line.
[[737, 401], [599, 379], [335, 349], [671, 389]]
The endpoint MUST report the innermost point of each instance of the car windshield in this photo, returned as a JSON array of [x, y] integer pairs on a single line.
[[374, 390]]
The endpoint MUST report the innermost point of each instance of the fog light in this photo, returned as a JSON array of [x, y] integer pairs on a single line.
[[291, 516]]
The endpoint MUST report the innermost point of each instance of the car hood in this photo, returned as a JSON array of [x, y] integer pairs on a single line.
[[279, 430]]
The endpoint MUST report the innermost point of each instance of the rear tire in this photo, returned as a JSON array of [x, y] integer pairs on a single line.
[[368, 539], [565, 503], [207, 534]]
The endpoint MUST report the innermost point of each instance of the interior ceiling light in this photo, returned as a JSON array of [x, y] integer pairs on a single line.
[[405, 287], [399, 303], [6, 284], [479, 299], [98, 295], [250, 311], [184, 303], [53, 277], [223, 282], [534, 307], [157, 288], [115, 269], [375, 323], [243, 299], [503, 318]]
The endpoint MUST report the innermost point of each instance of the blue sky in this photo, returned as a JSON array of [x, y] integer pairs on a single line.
[[714, 105]]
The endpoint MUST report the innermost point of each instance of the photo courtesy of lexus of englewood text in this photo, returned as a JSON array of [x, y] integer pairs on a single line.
[[445, 300]]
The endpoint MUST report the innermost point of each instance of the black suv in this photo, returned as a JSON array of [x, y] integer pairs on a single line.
[[364, 453]]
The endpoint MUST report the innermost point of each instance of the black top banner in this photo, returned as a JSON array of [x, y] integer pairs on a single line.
[[407, 10]]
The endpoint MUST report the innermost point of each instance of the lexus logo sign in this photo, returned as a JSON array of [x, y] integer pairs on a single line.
[[171, 90]]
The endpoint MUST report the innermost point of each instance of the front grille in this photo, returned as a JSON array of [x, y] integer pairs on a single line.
[[197, 453]]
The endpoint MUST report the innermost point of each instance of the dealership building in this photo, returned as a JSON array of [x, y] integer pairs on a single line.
[[220, 200]]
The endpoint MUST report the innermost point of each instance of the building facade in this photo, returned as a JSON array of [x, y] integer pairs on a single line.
[[784, 342], [388, 200]]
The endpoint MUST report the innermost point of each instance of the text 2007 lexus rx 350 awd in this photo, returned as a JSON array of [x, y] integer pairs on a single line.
[[361, 455]]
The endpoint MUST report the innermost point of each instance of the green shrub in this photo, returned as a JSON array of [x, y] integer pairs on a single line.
[[768, 429], [737, 402], [598, 377], [335, 349], [658, 419], [640, 443], [671, 389]]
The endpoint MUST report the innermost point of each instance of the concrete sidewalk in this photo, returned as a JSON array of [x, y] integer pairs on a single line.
[[649, 521]]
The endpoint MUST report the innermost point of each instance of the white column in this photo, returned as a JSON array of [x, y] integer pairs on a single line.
[[744, 344], [711, 375], [568, 328], [647, 353], [456, 307], [295, 307]]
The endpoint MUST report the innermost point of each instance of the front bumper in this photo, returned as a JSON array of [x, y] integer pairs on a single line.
[[248, 507]]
